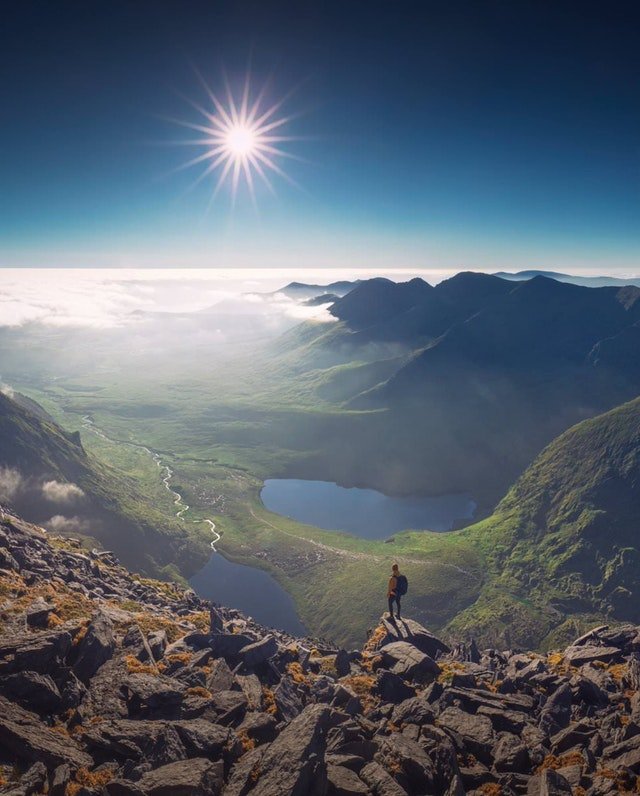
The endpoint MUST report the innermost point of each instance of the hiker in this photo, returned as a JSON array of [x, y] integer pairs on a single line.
[[397, 588]]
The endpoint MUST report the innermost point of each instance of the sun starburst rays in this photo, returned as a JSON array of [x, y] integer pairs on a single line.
[[242, 141]]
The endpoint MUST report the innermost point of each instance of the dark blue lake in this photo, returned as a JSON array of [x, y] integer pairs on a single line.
[[363, 512], [253, 591]]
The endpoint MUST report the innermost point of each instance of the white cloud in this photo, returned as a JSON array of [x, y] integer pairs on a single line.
[[10, 483], [61, 524], [7, 389], [60, 492]]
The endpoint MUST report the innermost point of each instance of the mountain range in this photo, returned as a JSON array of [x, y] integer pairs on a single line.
[[467, 381]]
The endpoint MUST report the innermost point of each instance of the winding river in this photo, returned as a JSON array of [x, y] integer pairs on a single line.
[[182, 507]]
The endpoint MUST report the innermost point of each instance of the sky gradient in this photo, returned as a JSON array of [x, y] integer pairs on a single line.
[[485, 135]]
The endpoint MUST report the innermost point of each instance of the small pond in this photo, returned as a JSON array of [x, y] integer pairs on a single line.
[[253, 591], [363, 512]]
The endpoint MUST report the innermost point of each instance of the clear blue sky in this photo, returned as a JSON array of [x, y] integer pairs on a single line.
[[478, 134]]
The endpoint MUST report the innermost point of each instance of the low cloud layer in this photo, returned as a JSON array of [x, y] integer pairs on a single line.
[[60, 492], [11, 482], [61, 524]]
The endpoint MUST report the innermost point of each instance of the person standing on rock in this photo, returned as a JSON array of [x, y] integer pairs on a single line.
[[397, 587]]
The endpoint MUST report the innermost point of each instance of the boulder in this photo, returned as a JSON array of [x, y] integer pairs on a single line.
[[294, 763], [155, 742], [475, 730], [59, 780], [32, 690], [195, 777], [221, 677], [577, 656], [136, 644], [288, 699], [392, 688], [414, 767], [257, 653], [260, 727], [228, 645], [380, 782], [414, 633], [415, 710], [344, 782], [95, 648], [37, 652], [510, 754], [23, 734], [38, 613], [151, 692], [404, 659], [202, 738]]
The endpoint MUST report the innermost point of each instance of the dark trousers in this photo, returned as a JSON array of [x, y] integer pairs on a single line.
[[397, 601]]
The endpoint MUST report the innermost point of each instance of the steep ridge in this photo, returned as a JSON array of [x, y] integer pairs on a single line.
[[563, 544], [111, 685], [46, 475]]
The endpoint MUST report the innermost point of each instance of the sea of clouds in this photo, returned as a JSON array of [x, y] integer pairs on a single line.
[[111, 298]]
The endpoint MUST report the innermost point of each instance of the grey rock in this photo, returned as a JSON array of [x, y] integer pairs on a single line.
[[37, 652], [577, 656], [294, 763], [414, 633], [415, 710], [157, 643], [228, 645], [23, 734], [32, 690], [38, 613], [137, 645], [476, 731], [344, 782], [122, 787], [59, 780], [252, 689], [95, 648], [380, 782], [392, 687], [409, 662], [260, 727], [287, 699], [342, 663], [221, 677], [417, 773], [152, 692], [195, 777], [257, 653], [202, 738], [510, 754]]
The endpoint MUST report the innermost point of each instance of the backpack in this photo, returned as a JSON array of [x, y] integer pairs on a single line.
[[402, 584]]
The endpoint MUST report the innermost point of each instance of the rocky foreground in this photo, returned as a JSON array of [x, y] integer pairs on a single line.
[[114, 684]]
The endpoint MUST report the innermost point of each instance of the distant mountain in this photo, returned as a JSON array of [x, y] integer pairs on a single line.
[[414, 312], [467, 380], [302, 290], [584, 281], [48, 477], [564, 544]]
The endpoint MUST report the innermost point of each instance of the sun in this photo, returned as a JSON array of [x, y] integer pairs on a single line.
[[242, 140]]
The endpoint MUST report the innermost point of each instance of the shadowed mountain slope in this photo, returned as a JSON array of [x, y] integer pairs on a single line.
[[46, 474], [564, 544]]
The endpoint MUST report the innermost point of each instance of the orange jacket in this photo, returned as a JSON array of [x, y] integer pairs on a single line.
[[391, 591]]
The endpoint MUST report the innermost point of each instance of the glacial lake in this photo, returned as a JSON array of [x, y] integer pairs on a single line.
[[363, 512], [253, 591]]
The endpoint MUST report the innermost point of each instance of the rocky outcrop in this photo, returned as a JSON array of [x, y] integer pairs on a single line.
[[112, 684]]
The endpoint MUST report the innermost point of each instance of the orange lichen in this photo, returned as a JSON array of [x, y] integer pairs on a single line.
[[93, 780], [560, 761], [137, 667], [199, 691]]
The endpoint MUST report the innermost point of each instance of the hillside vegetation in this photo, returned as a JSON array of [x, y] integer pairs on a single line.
[[563, 545]]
